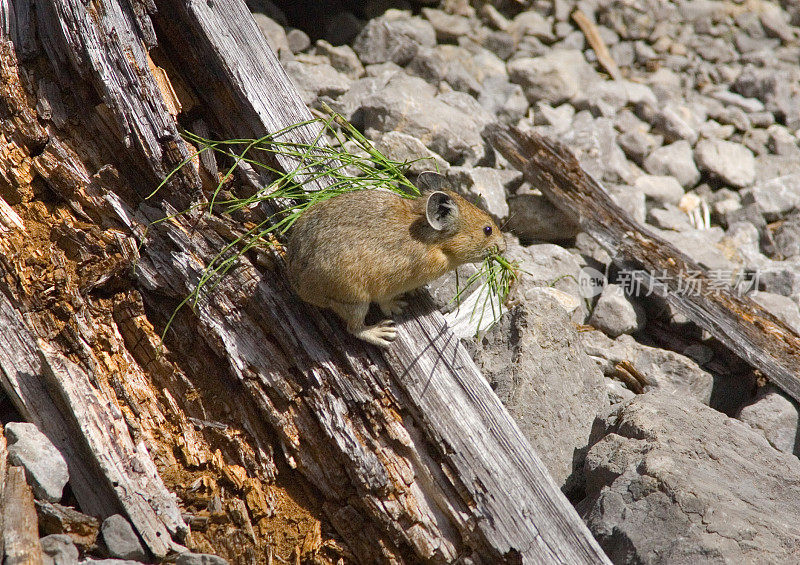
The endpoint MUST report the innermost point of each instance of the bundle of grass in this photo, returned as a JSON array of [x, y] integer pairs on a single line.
[[346, 161]]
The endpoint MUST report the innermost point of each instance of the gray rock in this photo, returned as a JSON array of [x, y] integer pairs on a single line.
[[429, 64], [726, 206], [741, 243], [405, 148], [298, 40], [782, 307], [775, 416], [342, 58], [665, 371], [674, 160], [407, 105], [199, 559], [120, 539], [615, 314], [394, 38], [782, 142], [761, 119], [58, 549], [774, 88], [733, 116], [449, 27], [669, 217], [463, 69], [669, 480], [501, 43], [678, 121], [749, 105], [554, 77], [559, 118], [549, 265], [531, 216], [488, 185], [349, 104], [594, 143], [535, 363], [623, 53], [632, 201], [705, 247], [273, 32], [775, 197], [313, 81], [780, 277], [638, 144], [45, 468], [608, 97], [660, 189], [776, 23], [532, 23], [769, 166], [503, 99], [731, 162], [712, 129], [787, 238]]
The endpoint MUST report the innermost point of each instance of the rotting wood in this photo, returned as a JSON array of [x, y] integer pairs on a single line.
[[57, 274], [413, 455], [757, 336], [20, 531], [56, 395], [3, 467], [57, 519]]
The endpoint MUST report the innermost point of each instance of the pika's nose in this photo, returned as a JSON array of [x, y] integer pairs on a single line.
[[501, 246]]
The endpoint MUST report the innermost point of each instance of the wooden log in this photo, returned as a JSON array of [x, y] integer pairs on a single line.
[[109, 473], [3, 469], [757, 336], [401, 478], [20, 531], [259, 97]]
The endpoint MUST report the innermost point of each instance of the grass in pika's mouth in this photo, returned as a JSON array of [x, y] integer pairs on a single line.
[[496, 274], [339, 152]]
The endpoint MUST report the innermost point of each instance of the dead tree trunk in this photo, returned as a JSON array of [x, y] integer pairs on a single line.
[[412, 455], [746, 328]]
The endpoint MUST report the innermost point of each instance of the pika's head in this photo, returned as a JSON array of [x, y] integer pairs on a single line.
[[464, 232]]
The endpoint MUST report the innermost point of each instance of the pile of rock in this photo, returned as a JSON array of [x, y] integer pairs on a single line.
[[699, 140]]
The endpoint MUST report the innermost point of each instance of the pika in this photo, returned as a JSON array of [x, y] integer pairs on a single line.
[[374, 245]]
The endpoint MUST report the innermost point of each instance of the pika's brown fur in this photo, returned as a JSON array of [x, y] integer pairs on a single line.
[[373, 246]]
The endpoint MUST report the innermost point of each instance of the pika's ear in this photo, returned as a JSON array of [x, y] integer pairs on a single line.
[[429, 181], [441, 211]]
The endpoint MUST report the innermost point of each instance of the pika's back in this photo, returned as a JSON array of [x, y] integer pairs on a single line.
[[348, 242]]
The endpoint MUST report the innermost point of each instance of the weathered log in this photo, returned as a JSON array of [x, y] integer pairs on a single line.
[[757, 336], [20, 531], [413, 454], [3, 468], [108, 471]]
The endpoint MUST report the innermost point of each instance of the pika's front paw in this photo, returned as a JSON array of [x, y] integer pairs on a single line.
[[393, 306], [381, 334]]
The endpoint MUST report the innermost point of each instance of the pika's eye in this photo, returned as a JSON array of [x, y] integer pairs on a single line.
[[487, 230]]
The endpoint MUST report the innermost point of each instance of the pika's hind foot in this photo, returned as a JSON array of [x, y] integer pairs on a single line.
[[392, 306], [381, 334]]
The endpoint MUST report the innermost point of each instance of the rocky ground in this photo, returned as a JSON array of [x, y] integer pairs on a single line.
[[696, 136]]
